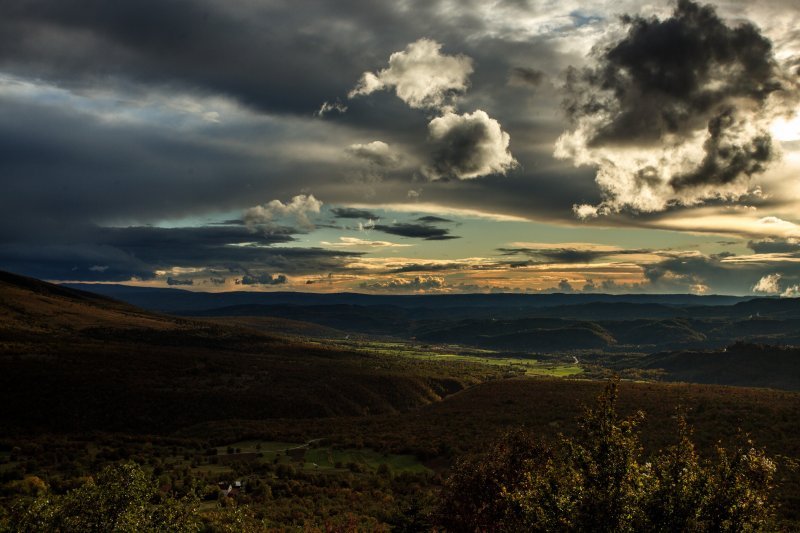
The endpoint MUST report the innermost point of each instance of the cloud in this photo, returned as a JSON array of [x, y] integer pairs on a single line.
[[301, 208], [467, 146], [140, 251], [427, 267], [567, 252], [769, 284], [350, 212], [376, 153], [356, 242], [262, 279], [607, 286], [720, 273], [677, 112], [432, 219], [372, 161], [416, 284], [417, 231], [774, 246], [791, 292], [421, 76], [525, 77], [331, 107], [366, 226], [565, 287], [176, 281]]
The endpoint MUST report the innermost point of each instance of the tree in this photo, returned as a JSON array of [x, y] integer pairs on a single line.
[[598, 481], [123, 498], [476, 496]]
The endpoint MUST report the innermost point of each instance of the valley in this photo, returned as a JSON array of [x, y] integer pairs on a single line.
[[327, 427]]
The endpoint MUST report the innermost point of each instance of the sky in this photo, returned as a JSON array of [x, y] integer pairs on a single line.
[[411, 146]]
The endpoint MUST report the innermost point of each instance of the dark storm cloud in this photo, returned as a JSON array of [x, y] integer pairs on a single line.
[[349, 212], [657, 88], [682, 273], [725, 161], [144, 240], [525, 77], [667, 76], [262, 279], [426, 267], [84, 261], [273, 57], [563, 255], [774, 246], [432, 219], [276, 56], [417, 231], [236, 49], [64, 167], [719, 273], [177, 281], [118, 254]]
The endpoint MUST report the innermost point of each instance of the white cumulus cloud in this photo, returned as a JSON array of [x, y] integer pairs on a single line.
[[415, 284], [300, 208], [421, 76], [791, 292], [769, 284], [376, 153], [468, 146]]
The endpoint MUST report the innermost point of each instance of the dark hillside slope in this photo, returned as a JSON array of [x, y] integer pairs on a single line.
[[76, 362], [29, 306], [740, 364], [178, 300]]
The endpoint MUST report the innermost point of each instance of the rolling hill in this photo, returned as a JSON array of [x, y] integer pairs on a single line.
[[83, 362], [743, 364]]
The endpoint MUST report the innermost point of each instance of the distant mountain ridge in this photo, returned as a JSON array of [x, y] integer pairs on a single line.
[[180, 300], [546, 323]]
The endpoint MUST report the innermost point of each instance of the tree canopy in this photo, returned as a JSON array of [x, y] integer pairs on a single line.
[[599, 480]]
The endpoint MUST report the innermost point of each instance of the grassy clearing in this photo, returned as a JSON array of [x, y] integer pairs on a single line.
[[522, 365]]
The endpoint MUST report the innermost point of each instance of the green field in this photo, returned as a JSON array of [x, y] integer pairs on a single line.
[[527, 365]]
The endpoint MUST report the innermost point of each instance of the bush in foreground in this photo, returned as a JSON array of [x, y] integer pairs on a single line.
[[598, 480], [122, 498]]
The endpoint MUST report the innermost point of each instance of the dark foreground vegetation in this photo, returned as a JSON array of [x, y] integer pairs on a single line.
[[599, 480], [596, 480], [269, 424]]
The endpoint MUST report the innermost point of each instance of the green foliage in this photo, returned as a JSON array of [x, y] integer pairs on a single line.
[[122, 498], [477, 495], [597, 480]]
